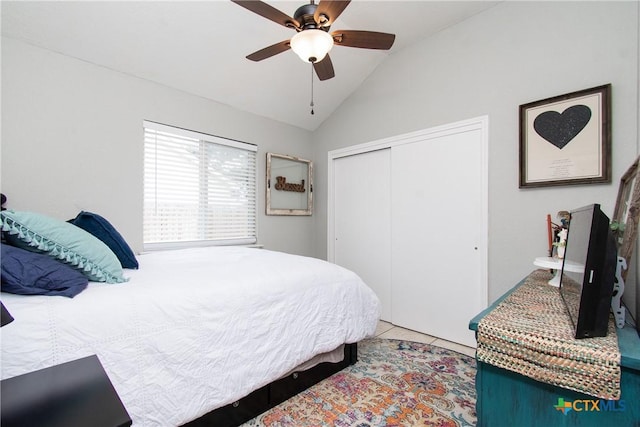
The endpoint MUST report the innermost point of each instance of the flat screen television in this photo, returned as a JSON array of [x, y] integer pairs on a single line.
[[587, 292]]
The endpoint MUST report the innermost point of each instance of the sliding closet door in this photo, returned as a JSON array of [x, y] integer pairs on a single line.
[[362, 220], [437, 227]]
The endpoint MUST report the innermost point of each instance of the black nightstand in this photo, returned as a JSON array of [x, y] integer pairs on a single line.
[[73, 394]]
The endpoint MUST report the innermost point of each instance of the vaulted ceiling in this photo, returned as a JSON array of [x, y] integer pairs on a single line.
[[199, 47]]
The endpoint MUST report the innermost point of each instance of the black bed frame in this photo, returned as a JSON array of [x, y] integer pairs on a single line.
[[275, 393]]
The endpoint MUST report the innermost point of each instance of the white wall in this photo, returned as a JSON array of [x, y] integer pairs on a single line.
[[72, 133], [72, 140], [512, 54]]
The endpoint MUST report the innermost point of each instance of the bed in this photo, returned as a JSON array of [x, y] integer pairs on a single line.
[[195, 330]]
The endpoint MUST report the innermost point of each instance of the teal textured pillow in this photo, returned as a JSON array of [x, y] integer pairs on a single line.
[[63, 241]]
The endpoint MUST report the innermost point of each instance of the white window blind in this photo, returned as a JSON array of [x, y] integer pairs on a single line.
[[198, 189]]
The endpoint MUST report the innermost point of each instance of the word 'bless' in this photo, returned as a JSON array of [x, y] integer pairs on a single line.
[[283, 185]]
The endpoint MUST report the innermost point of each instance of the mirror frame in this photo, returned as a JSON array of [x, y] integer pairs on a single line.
[[627, 212], [306, 186]]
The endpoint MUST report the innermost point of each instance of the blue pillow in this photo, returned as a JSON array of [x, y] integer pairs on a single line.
[[103, 230], [30, 273], [63, 241]]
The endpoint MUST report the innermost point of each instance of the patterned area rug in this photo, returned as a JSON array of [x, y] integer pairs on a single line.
[[394, 383]]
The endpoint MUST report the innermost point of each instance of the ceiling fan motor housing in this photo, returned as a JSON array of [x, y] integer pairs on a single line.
[[304, 16]]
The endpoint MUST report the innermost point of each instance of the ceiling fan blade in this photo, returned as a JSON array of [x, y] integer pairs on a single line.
[[270, 51], [363, 39], [324, 68], [269, 12], [328, 11]]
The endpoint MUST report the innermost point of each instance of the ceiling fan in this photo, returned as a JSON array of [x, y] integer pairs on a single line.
[[312, 40]]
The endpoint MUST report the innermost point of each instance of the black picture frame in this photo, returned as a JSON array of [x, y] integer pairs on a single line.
[[566, 139]]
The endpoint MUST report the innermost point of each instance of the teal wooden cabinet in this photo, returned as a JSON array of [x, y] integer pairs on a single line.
[[505, 398]]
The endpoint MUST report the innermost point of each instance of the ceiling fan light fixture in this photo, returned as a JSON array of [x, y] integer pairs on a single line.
[[312, 45]]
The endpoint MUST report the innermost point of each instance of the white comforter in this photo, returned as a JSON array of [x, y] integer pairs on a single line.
[[194, 329]]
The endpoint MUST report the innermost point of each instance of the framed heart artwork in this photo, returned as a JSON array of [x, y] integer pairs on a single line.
[[566, 140]]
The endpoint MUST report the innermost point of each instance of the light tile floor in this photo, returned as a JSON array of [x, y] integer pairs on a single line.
[[387, 330]]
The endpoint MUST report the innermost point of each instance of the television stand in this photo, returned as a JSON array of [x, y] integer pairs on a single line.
[[505, 398], [619, 312], [555, 264]]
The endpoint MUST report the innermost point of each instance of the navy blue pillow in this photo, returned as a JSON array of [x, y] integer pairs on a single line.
[[30, 273], [103, 230]]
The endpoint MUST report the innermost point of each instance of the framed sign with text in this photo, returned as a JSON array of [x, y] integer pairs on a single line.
[[289, 185], [566, 139]]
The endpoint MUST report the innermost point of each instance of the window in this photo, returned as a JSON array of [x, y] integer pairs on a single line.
[[198, 189]]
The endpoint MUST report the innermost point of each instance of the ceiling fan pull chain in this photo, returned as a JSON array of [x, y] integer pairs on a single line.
[[312, 113]]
